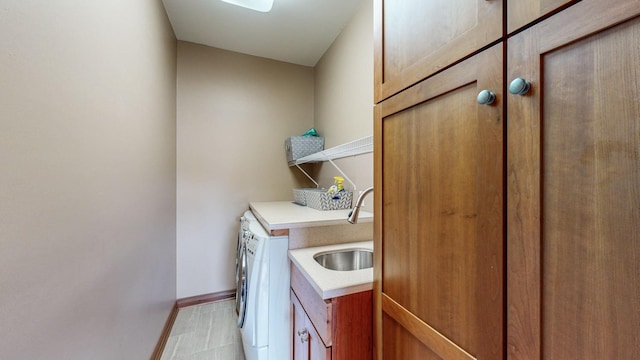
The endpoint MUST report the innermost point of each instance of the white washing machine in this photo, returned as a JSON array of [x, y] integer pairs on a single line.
[[241, 283], [264, 311]]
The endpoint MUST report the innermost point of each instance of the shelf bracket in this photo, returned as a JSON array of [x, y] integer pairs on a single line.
[[353, 148], [307, 175], [343, 175]]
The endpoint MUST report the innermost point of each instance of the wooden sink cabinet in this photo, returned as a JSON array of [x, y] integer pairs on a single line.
[[337, 328]]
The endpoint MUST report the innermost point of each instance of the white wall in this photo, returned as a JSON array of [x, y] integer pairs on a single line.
[[87, 179], [344, 97], [234, 113]]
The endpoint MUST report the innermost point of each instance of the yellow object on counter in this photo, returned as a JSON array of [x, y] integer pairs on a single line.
[[338, 180]]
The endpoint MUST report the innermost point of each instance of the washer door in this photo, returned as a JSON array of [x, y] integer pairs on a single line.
[[241, 291], [238, 260], [242, 237]]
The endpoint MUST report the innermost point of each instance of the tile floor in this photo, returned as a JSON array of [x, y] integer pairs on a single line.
[[206, 331]]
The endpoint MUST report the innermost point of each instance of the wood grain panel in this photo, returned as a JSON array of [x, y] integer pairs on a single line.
[[344, 323], [400, 344], [280, 232], [573, 193], [427, 335], [313, 347], [300, 349], [318, 310], [441, 211], [523, 203], [317, 350], [378, 254], [435, 146], [521, 13], [591, 198], [455, 29], [353, 326], [596, 16]]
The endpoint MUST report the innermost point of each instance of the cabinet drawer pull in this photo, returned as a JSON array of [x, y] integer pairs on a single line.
[[519, 86], [486, 97], [304, 335]]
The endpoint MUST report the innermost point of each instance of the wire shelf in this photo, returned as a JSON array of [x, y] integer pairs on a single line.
[[352, 148]]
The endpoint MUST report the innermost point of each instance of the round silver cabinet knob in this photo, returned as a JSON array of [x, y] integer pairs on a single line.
[[519, 86], [304, 335], [486, 97]]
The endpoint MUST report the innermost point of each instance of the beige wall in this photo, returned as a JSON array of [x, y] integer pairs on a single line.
[[344, 97], [87, 179], [234, 113]]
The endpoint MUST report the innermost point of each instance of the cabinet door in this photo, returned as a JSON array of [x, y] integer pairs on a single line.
[[300, 331], [573, 189], [415, 38], [307, 344], [439, 216], [317, 350], [521, 13]]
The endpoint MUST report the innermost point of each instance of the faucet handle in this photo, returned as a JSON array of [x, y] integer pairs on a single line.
[[353, 215]]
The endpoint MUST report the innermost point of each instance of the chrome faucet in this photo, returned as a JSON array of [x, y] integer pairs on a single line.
[[353, 215]]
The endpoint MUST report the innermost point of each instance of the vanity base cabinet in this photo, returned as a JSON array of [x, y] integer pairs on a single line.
[[339, 328], [306, 341]]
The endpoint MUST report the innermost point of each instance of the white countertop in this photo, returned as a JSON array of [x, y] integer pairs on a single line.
[[331, 283], [276, 215]]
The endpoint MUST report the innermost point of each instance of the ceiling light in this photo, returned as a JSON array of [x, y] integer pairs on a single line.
[[257, 5]]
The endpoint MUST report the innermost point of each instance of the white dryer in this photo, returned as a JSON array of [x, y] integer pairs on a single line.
[[264, 313]]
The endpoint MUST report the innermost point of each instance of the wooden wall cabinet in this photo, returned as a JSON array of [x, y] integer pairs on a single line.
[[521, 13], [417, 38], [340, 328], [439, 248], [573, 197], [559, 173]]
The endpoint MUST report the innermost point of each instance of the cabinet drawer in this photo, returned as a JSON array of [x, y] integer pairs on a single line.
[[318, 310]]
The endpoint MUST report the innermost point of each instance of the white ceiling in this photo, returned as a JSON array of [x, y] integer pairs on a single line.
[[294, 31]]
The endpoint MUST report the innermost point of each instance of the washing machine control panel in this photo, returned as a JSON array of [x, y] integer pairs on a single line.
[[244, 223], [252, 245]]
